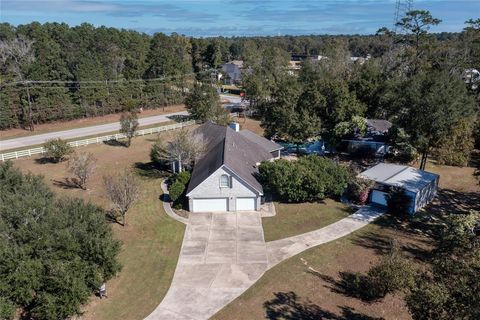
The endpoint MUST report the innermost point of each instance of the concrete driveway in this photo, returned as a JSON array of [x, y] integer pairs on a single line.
[[222, 255]]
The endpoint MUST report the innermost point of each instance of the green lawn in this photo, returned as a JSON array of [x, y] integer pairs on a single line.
[[296, 218]]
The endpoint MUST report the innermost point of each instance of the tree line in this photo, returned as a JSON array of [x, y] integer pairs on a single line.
[[419, 85], [84, 71]]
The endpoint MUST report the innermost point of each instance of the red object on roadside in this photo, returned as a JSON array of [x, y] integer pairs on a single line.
[[242, 94]]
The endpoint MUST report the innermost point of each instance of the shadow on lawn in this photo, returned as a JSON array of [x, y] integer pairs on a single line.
[[67, 183], [287, 306], [115, 143], [150, 170], [451, 201]]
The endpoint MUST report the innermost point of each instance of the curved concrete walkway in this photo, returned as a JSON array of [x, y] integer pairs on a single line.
[[223, 254], [167, 207]]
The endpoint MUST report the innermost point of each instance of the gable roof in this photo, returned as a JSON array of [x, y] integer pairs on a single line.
[[266, 144], [409, 178], [229, 148]]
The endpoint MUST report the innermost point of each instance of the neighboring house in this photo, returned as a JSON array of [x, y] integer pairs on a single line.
[[224, 179], [232, 72], [421, 186], [374, 138], [472, 77]]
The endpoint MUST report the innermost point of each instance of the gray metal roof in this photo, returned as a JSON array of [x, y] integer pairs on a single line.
[[268, 145], [409, 178], [229, 148]]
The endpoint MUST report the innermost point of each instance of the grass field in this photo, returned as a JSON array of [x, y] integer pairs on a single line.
[[151, 240], [296, 218]]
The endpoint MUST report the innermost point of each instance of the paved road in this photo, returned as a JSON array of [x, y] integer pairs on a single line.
[[223, 254], [79, 132]]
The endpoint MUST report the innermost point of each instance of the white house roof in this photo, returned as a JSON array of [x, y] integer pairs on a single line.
[[409, 178]]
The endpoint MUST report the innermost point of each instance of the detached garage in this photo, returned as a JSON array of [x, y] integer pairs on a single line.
[[420, 185]]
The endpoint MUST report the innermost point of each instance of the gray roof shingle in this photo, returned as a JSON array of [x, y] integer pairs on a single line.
[[229, 148]]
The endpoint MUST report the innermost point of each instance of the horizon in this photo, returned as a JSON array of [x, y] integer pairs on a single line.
[[213, 18]]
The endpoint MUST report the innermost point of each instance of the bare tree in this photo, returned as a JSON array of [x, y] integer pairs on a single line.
[[82, 165], [129, 125], [123, 191], [18, 54], [183, 150]]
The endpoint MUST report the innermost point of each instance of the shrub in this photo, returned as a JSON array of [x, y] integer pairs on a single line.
[[398, 202], [358, 190], [183, 177], [57, 149], [310, 178], [176, 190]]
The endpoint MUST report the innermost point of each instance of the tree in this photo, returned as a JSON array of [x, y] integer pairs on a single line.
[[181, 151], [203, 103], [434, 105], [129, 125], [285, 116], [417, 23], [82, 165], [18, 54], [56, 252], [456, 147], [451, 290], [123, 190], [57, 149]]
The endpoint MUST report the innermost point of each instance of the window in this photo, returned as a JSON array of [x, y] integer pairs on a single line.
[[224, 181]]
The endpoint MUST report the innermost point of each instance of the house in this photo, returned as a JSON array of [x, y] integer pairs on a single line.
[[232, 72], [374, 138], [224, 179], [421, 186]]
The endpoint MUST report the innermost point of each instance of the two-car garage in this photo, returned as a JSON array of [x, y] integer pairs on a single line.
[[221, 204]]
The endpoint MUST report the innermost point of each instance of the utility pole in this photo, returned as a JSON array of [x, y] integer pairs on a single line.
[[401, 9]]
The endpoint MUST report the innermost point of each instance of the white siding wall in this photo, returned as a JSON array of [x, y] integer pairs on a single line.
[[210, 188]]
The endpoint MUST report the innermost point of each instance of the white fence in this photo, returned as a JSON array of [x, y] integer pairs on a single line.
[[79, 143]]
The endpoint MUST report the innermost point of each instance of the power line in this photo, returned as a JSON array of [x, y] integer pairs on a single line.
[[106, 82]]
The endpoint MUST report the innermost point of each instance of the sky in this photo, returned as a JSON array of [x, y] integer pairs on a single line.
[[204, 18]]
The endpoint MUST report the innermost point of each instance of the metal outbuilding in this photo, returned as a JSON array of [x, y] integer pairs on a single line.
[[420, 185]]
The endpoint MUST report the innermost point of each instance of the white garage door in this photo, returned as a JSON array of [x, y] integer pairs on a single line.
[[379, 197], [245, 204], [209, 205]]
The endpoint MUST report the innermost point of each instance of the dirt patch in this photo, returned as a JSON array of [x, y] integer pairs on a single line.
[[78, 123]]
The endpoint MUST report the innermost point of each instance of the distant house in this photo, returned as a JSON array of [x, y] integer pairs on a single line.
[[232, 72], [224, 179], [374, 139], [303, 57], [421, 186]]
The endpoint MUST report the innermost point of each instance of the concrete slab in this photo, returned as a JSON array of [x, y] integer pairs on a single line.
[[224, 220], [248, 218], [238, 275], [252, 252], [226, 234], [250, 233], [197, 232], [221, 252], [200, 218]]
